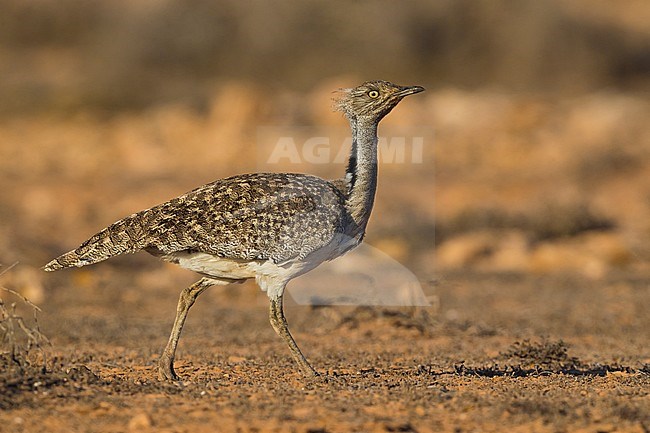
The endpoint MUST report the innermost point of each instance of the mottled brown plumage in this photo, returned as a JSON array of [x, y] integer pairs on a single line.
[[261, 216], [268, 226]]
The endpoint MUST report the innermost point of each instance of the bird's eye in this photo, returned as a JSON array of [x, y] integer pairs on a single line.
[[373, 94]]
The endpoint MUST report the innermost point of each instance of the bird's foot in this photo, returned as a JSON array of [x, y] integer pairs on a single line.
[[308, 370], [166, 374], [166, 371]]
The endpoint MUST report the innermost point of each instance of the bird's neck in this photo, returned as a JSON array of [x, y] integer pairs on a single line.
[[361, 174]]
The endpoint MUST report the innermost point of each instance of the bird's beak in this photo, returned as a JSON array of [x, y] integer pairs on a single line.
[[409, 90]]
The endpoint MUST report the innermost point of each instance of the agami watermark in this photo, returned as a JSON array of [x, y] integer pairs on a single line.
[[317, 146]]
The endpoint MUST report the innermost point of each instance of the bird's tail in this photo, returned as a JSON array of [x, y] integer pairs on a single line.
[[125, 236]]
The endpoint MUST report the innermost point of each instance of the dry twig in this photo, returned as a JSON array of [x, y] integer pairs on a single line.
[[18, 338]]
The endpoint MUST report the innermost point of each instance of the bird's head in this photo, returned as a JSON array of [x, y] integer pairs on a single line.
[[372, 100]]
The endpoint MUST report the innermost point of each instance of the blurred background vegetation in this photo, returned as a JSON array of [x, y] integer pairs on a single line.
[[68, 54], [540, 111]]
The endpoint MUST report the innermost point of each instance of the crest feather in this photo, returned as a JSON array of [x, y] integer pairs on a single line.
[[340, 99]]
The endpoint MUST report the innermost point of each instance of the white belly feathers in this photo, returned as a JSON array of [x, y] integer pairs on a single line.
[[270, 276]]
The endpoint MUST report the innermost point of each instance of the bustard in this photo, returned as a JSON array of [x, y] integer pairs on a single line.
[[269, 226]]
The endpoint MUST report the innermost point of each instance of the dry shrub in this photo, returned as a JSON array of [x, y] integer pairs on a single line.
[[21, 340]]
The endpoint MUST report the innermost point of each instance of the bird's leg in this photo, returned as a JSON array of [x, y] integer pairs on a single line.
[[187, 298], [279, 323]]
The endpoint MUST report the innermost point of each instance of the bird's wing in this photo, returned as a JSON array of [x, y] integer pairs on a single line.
[[251, 217], [265, 216]]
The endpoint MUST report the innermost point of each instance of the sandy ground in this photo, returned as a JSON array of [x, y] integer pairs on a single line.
[[533, 254], [503, 352]]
